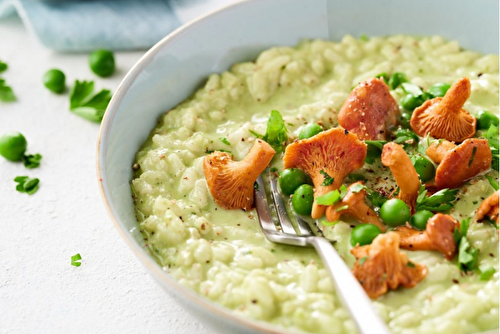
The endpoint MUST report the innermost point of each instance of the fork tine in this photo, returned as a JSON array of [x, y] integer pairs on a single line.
[[286, 225], [304, 227], [265, 219]]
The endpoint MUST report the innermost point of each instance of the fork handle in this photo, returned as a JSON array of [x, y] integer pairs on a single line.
[[352, 295]]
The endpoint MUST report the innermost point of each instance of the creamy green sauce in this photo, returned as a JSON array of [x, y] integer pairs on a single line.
[[224, 256]]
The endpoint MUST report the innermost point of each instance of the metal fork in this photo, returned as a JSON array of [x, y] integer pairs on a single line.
[[350, 291]]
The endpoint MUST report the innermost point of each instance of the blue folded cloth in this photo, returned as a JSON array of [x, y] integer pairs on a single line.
[[85, 25]]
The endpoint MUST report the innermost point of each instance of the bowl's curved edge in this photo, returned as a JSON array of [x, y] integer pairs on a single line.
[[146, 260]]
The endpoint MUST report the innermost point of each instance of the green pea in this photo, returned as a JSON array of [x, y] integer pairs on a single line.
[[363, 234], [420, 218], [486, 119], [292, 178], [310, 130], [410, 102], [302, 200], [54, 80], [102, 62], [439, 89], [424, 167], [404, 119], [395, 212], [12, 146]]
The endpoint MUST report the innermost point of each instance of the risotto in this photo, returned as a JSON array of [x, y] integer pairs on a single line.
[[223, 255]]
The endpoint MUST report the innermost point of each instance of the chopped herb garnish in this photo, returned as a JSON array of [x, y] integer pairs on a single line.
[[27, 184], [486, 271], [364, 38], [328, 179], [384, 77], [474, 150], [329, 198], [375, 198], [86, 104], [343, 191], [329, 223], [342, 208], [396, 80], [256, 186], [405, 137], [75, 260], [438, 202], [410, 264], [212, 151], [356, 177], [374, 150], [32, 160], [412, 89], [492, 136], [467, 255], [225, 141], [362, 260], [273, 170], [356, 188], [492, 182], [276, 134], [6, 92]]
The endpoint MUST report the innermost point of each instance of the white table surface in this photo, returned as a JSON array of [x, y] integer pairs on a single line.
[[40, 292]]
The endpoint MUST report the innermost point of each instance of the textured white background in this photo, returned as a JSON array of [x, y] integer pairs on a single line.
[[40, 292]]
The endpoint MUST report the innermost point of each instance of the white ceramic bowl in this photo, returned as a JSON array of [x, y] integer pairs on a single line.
[[178, 64]]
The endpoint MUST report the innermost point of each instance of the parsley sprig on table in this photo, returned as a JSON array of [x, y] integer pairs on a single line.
[[26, 184], [86, 104]]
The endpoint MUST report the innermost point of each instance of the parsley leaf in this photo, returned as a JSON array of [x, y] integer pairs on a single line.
[[384, 77], [225, 141], [396, 80], [356, 188], [362, 260], [405, 137], [492, 136], [276, 134], [410, 264], [375, 198], [27, 184], [328, 179], [438, 202], [6, 92], [32, 160], [3, 66], [356, 177], [374, 150], [86, 104], [75, 260], [342, 208]]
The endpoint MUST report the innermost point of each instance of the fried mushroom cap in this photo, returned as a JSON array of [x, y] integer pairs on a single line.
[[443, 117], [231, 183], [438, 150], [369, 111], [331, 154], [395, 157], [489, 209], [465, 161], [380, 266], [438, 235], [356, 208]]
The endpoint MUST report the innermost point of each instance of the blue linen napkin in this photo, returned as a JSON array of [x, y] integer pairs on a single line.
[[85, 25]]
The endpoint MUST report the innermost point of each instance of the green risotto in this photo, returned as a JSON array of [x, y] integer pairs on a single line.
[[223, 255]]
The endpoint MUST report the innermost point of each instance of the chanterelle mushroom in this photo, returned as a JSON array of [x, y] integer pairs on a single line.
[[381, 266], [489, 209], [438, 149], [231, 183], [438, 235], [369, 111], [353, 205], [395, 157], [461, 162], [328, 158], [443, 117]]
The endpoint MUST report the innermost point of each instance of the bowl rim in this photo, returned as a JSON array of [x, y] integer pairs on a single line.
[[153, 267]]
